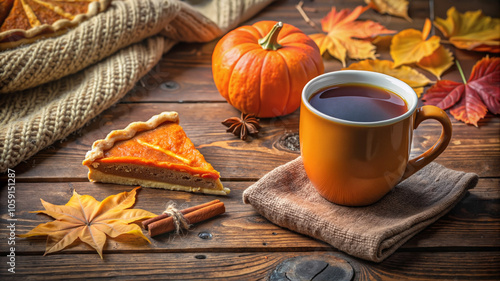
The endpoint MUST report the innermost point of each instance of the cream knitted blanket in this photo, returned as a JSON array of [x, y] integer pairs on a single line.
[[52, 87]]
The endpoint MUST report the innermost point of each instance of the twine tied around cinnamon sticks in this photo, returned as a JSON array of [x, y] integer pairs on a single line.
[[180, 221], [173, 219]]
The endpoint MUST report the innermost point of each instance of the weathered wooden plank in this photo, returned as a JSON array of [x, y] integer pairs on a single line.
[[247, 266], [169, 80], [471, 149], [487, 188], [472, 223]]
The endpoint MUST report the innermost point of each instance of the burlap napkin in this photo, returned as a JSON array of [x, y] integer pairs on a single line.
[[52, 87], [286, 197]]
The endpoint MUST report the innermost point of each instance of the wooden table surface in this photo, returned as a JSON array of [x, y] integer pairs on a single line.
[[242, 245]]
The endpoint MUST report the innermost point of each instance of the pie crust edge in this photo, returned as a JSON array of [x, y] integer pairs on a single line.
[[50, 30], [99, 146]]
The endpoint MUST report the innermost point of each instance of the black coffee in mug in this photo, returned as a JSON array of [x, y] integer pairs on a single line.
[[358, 103]]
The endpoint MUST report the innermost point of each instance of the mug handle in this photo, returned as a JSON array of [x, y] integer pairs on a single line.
[[423, 113]]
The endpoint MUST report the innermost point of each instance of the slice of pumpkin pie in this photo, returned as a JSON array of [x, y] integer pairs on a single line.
[[156, 153]]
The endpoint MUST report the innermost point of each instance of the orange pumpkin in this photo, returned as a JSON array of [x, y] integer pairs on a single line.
[[261, 69]]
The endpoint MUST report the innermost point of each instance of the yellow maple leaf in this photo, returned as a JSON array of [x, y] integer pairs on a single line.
[[411, 45], [471, 31], [410, 76], [89, 220], [345, 35], [438, 62], [398, 8]]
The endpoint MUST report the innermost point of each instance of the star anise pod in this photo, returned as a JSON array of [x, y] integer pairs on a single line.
[[248, 124]]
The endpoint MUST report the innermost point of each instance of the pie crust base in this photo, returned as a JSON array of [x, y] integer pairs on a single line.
[[97, 176]]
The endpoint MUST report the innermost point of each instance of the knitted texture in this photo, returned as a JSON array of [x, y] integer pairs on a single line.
[[124, 23], [229, 13], [52, 87], [287, 198]]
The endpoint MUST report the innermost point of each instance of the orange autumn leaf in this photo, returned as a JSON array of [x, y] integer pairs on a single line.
[[470, 101], [411, 45], [345, 35], [471, 31], [398, 8], [88, 220], [404, 73], [438, 62]]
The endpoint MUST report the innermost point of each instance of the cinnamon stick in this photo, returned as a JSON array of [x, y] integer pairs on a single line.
[[192, 215], [146, 223]]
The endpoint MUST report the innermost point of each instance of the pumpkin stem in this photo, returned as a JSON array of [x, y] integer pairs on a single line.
[[270, 42]]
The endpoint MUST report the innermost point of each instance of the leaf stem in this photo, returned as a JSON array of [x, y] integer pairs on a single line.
[[461, 72]]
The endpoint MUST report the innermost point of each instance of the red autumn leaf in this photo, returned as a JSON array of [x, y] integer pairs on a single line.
[[470, 101]]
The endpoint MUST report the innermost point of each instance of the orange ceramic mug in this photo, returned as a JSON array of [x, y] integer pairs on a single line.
[[357, 163]]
